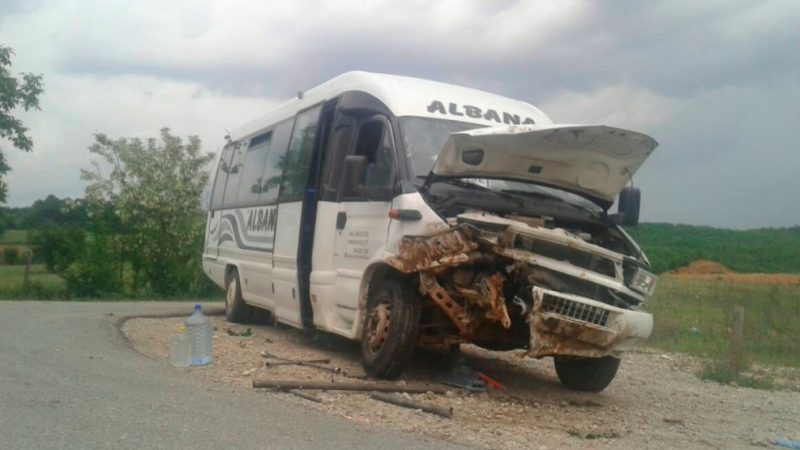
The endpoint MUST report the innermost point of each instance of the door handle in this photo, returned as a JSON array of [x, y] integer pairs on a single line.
[[341, 220]]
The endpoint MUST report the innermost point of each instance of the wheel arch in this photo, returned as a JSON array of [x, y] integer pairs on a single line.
[[229, 268]]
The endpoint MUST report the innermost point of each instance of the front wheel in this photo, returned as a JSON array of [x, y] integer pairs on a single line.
[[391, 330], [586, 374]]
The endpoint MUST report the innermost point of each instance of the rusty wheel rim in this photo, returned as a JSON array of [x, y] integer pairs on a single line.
[[378, 325]]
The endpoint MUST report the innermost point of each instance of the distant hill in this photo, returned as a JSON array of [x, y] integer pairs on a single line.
[[765, 250]]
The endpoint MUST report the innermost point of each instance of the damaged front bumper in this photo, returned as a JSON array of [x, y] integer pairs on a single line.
[[569, 325]]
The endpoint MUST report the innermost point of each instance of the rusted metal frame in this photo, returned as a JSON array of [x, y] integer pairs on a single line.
[[433, 254], [447, 249], [430, 287], [497, 303]]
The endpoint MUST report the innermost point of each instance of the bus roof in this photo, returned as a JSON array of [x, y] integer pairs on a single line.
[[407, 96]]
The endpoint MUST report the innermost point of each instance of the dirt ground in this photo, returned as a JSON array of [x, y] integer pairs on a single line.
[[655, 401]]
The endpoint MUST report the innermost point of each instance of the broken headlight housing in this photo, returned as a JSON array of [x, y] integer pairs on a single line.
[[643, 282]]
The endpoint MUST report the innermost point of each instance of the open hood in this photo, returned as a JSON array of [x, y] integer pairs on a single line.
[[593, 160]]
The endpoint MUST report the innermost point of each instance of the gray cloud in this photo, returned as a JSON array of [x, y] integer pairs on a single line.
[[714, 82]]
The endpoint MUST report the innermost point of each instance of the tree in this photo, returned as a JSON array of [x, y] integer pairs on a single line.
[[15, 93], [155, 188]]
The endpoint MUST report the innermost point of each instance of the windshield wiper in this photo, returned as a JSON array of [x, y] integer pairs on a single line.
[[466, 184], [532, 194]]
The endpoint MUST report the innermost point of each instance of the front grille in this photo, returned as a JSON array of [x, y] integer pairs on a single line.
[[575, 310]]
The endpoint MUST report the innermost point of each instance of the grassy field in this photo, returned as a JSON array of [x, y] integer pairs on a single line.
[[14, 237], [693, 316], [44, 285]]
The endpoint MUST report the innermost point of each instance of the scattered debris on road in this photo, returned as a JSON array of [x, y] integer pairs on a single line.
[[654, 402], [407, 402]]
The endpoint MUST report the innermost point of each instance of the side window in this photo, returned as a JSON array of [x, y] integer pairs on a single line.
[[223, 167], [375, 142], [271, 177], [253, 169], [295, 164], [234, 172], [344, 129]]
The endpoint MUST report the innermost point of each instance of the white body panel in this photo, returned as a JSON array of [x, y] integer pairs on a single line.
[[406, 96], [243, 237], [284, 263]]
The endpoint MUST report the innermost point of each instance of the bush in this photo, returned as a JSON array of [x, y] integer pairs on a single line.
[[10, 256], [58, 247], [93, 274], [46, 291]]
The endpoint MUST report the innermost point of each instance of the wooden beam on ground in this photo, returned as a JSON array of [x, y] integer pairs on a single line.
[[376, 386], [443, 411]]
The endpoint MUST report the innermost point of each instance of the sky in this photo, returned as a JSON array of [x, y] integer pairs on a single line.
[[716, 83]]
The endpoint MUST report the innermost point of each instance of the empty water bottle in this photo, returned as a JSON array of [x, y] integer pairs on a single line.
[[199, 329], [179, 350]]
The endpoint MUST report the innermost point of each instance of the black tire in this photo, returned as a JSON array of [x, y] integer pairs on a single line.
[[586, 374], [236, 310], [391, 329]]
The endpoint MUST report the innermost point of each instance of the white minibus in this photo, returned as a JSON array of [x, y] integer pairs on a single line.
[[407, 213]]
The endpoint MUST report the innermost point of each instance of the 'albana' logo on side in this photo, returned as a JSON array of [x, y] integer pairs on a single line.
[[454, 109]]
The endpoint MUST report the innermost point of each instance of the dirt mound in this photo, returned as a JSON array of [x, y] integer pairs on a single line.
[[704, 267], [753, 278], [706, 270]]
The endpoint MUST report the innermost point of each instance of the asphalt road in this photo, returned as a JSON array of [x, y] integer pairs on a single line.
[[68, 379]]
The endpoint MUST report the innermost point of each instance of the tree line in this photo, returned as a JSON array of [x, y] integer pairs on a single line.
[[765, 250]]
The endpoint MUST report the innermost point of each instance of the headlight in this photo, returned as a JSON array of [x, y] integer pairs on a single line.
[[643, 282]]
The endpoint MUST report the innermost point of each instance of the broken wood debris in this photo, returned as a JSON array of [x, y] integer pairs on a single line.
[[443, 411], [346, 386], [315, 363], [305, 395]]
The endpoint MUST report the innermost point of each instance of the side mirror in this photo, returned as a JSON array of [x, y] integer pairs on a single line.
[[628, 207], [355, 167]]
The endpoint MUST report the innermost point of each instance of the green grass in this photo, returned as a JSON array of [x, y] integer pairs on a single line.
[[14, 237], [693, 316], [44, 285]]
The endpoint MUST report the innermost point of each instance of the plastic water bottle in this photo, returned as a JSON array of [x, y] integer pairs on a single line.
[[180, 348], [199, 329]]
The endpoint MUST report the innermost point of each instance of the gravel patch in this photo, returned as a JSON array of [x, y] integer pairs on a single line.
[[655, 401]]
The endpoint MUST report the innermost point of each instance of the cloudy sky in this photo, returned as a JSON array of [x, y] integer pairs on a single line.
[[717, 83]]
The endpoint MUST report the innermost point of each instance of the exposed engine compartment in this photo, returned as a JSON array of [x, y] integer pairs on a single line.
[[482, 276]]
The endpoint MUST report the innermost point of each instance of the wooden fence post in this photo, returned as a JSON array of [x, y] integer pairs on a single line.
[[26, 280], [737, 340]]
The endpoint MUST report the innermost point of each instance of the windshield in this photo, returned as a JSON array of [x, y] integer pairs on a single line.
[[423, 138]]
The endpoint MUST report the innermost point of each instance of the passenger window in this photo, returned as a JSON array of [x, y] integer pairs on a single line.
[[223, 166], [375, 142], [271, 178], [295, 164], [234, 171], [253, 169]]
